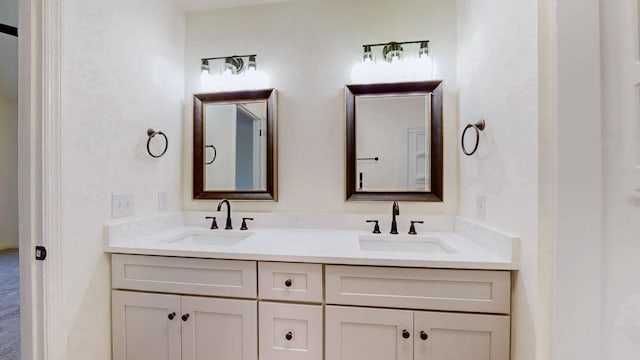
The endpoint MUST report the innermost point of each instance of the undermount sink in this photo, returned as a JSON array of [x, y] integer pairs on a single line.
[[399, 243], [213, 237]]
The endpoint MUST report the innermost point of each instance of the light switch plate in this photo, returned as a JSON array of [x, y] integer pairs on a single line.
[[163, 200], [122, 205]]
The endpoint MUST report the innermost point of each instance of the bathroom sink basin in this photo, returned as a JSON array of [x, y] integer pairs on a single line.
[[213, 237], [399, 243]]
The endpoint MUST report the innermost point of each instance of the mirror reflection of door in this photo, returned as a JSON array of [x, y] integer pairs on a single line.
[[392, 142], [235, 146]]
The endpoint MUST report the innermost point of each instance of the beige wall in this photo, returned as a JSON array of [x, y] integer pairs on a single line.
[[498, 81], [8, 174], [308, 48], [122, 72]]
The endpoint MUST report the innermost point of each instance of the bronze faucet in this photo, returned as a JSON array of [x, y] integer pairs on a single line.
[[225, 201], [395, 210]]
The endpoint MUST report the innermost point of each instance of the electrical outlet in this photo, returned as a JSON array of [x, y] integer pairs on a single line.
[[481, 207], [122, 205], [163, 200]]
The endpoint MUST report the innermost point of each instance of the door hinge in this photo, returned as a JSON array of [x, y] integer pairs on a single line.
[[41, 253]]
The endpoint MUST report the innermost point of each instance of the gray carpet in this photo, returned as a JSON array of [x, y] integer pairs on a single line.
[[9, 306]]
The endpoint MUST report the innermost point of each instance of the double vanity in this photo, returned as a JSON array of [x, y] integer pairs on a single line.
[[187, 286], [292, 288]]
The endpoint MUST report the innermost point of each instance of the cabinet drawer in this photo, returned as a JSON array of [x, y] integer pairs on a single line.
[[290, 281], [290, 331], [432, 289], [184, 275]]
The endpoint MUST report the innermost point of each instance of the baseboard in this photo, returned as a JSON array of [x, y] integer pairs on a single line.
[[8, 247]]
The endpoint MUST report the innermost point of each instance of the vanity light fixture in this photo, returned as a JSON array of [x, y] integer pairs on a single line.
[[251, 64], [424, 49], [368, 55], [397, 64], [233, 65], [204, 67], [392, 52], [237, 72]]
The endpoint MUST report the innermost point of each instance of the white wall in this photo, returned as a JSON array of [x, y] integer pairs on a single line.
[[308, 48], [577, 284], [621, 180], [122, 72], [498, 82], [8, 173], [8, 128], [9, 52]]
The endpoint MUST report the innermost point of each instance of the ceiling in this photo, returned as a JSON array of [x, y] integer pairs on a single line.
[[198, 5]]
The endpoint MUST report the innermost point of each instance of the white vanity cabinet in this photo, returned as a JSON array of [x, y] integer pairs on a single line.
[[177, 308], [173, 327], [290, 311], [151, 325], [389, 334], [362, 331]]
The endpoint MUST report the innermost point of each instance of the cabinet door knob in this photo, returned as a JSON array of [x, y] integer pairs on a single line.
[[423, 335], [289, 336], [288, 283], [405, 334], [185, 317], [171, 316]]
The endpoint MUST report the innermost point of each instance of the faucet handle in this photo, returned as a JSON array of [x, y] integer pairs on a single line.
[[376, 228], [214, 224], [244, 223], [412, 228]]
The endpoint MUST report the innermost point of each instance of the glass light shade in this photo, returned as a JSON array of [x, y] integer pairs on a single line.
[[205, 65], [367, 56], [251, 64], [392, 52], [228, 68], [424, 50]]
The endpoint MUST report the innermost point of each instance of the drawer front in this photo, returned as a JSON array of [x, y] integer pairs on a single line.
[[431, 289], [290, 331], [184, 275], [290, 281]]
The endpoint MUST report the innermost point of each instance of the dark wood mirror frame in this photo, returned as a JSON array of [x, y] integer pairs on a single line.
[[199, 101], [436, 163]]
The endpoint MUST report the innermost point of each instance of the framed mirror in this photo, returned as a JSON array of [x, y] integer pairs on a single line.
[[394, 141], [234, 145]]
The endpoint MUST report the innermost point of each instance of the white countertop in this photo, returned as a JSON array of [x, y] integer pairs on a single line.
[[328, 246]]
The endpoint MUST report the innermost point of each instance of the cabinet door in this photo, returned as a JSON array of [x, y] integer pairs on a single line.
[[290, 331], [142, 328], [219, 329], [373, 334], [449, 336]]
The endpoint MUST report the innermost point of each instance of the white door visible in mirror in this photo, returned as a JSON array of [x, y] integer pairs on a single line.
[[393, 142], [235, 146]]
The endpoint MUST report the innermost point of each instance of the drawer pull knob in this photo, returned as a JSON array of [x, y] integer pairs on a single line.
[[185, 317], [405, 334], [289, 336], [288, 283], [171, 316], [423, 335]]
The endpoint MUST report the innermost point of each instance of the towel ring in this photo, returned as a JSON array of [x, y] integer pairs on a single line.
[[151, 133], [215, 154], [479, 126]]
